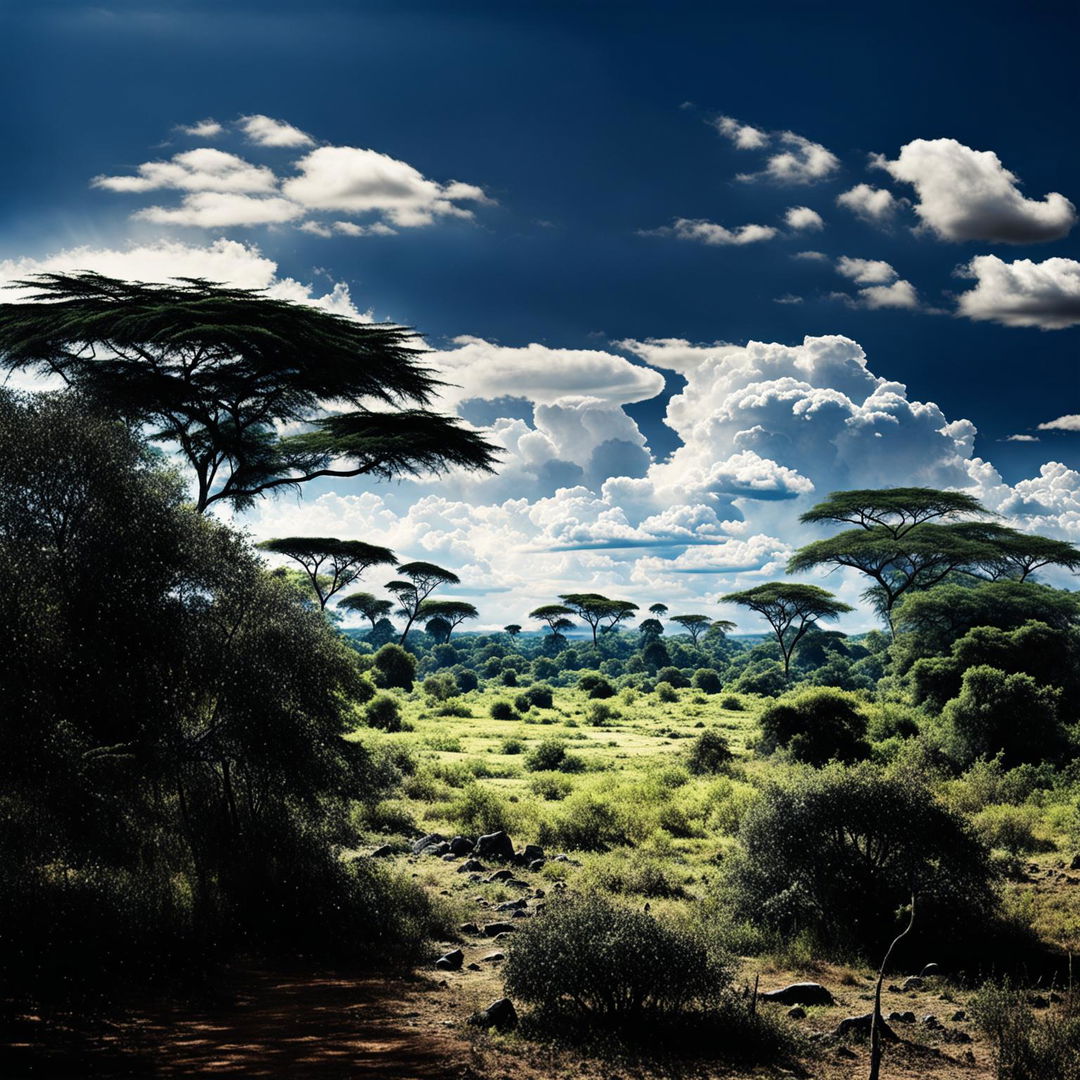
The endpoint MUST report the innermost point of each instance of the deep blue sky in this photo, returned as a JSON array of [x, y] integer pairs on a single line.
[[569, 114]]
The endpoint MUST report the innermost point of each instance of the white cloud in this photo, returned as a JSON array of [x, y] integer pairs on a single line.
[[1022, 293], [876, 205], [865, 271], [707, 232], [900, 294], [966, 194], [265, 131], [1023, 438], [743, 136], [804, 162], [346, 228], [215, 210], [802, 217], [811, 256], [203, 169], [1062, 423], [351, 180], [203, 129], [227, 261]]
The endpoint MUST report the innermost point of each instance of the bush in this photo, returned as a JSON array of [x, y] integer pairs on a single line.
[[549, 755], [585, 823], [1009, 827], [383, 711], [765, 677], [441, 687], [596, 686], [600, 713], [666, 692], [540, 696], [673, 676], [1010, 714], [732, 702], [834, 853], [509, 677], [466, 679], [394, 667], [589, 956], [512, 746], [501, 710], [634, 873], [816, 726], [709, 753], [707, 680], [477, 810]]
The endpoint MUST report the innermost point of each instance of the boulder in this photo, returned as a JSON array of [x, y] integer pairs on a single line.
[[439, 850], [536, 865], [531, 852], [496, 845], [913, 982], [450, 857], [452, 961], [860, 1025], [469, 928], [500, 1015], [500, 875], [493, 956], [431, 840], [461, 845], [470, 866], [929, 970], [901, 1017], [493, 928], [475, 967], [932, 1022], [1075, 864], [382, 852], [512, 905], [807, 993], [797, 1012]]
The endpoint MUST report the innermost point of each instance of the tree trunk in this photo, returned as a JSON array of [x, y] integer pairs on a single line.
[[877, 1022]]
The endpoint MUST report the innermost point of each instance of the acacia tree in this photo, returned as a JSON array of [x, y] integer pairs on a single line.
[[215, 372], [423, 578], [513, 629], [364, 603], [330, 564], [694, 625], [658, 611], [907, 540], [452, 612], [555, 615], [790, 609], [596, 610], [650, 628]]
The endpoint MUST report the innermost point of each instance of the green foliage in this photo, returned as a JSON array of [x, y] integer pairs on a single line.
[[611, 964], [539, 696], [834, 853], [583, 823], [596, 686], [501, 710], [666, 693], [601, 713], [384, 712], [999, 713], [394, 667], [673, 677], [478, 810], [1009, 827], [732, 702], [815, 726], [441, 687], [549, 755], [707, 680], [709, 753]]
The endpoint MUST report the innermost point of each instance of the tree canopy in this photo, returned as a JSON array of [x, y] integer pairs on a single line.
[[421, 580], [330, 564], [596, 610], [364, 603], [895, 510], [452, 612], [215, 371], [694, 625]]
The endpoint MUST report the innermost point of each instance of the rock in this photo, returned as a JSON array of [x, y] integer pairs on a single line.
[[930, 969], [532, 852], [449, 857], [517, 883], [461, 845], [503, 934], [797, 1012], [512, 905], [425, 842], [493, 928], [539, 894], [493, 956], [860, 1025], [931, 1021], [519, 914], [559, 885], [475, 967], [452, 961], [500, 1015], [807, 993], [471, 866], [955, 1035], [1037, 1001], [500, 875], [382, 852], [469, 928], [536, 865], [496, 845], [1075, 864], [844, 1052], [958, 1017], [913, 982], [901, 1018]]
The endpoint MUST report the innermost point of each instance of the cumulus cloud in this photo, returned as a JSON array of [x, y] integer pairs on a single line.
[[1021, 438], [708, 232], [966, 194], [265, 131], [876, 205], [227, 261], [204, 169], [883, 287], [900, 294], [743, 136], [865, 271], [1062, 423], [802, 217], [351, 180], [203, 129], [803, 162], [214, 210], [1023, 292]]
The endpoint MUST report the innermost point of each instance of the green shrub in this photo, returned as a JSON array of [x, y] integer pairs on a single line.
[[478, 809], [815, 726], [709, 753], [583, 823], [596, 686], [635, 873], [501, 710], [551, 786], [550, 755], [509, 678], [512, 746], [666, 692], [673, 676], [383, 711], [466, 679], [707, 680], [394, 667], [454, 708], [540, 696], [600, 713], [441, 687], [1009, 827], [732, 703], [610, 964]]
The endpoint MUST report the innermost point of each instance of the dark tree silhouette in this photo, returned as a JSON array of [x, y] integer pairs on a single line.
[[513, 629], [214, 370], [694, 625], [364, 603], [555, 615], [596, 610], [423, 578], [452, 612], [790, 609], [651, 628], [330, 564]]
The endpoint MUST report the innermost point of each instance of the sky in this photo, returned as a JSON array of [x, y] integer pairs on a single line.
[[691, 266]]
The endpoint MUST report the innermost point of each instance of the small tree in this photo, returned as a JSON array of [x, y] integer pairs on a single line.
[[555, 615], [790, 609], [370, 607], [596, 610], [330, 564], [422, 579], [394, 667], [512, 630], [694, 625], [452, 612]]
